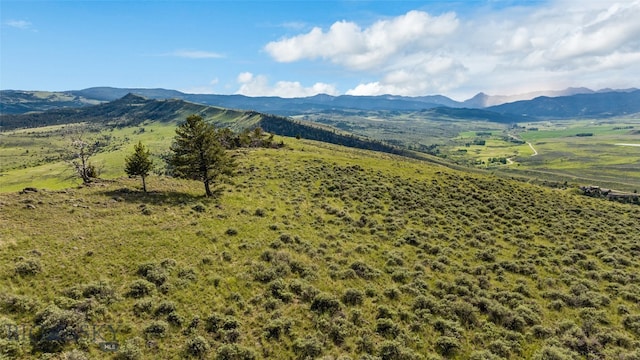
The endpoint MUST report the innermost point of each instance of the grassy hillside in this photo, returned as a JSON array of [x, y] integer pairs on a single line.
[[317, 251]]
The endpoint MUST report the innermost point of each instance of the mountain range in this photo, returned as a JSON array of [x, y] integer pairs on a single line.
[[135, 110], [572, 102]]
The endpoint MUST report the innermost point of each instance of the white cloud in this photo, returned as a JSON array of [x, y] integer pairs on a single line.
[[543, 45], [202, 89], [245, 77], [195, 54], [428, 72], [19, 24], [348, 44], [258, 85]]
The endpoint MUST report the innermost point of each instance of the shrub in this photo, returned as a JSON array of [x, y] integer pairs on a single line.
[[632, 323], [74, 354], [175, 319], [153, 273], [278, 291], [400, 276], [391, 293], [447, 345], [140, 288], [130, 350], [55, 327], [17, 304], [197, 347], [157, 329], [501, 348], [387, 328], [465, 312], [540, 332], [384, 312], [553, 353], [187, 274], [274, 329], [363, 270], [10, 349], [193, 325], [338, 331], [164, 308], [390, 350], [213, 323], [144, 306], [352, 297], [234, 352], [325, 303], [28, 267], [307, 348]]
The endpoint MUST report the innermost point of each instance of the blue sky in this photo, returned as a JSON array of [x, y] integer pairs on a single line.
[[289, 49]]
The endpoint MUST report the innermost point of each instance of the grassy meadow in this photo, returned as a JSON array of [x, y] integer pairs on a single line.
[[313, 251], [562, 153]]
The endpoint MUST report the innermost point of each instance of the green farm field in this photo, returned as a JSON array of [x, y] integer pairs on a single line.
[[580, 152]]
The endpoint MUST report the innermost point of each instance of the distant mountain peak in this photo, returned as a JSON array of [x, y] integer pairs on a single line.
[[133, 97]]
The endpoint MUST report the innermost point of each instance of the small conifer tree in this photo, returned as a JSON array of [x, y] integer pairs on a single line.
[[197, 154], [139, 163]]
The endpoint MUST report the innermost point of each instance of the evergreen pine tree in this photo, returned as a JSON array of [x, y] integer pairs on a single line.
[[196, 153], [139, 163]]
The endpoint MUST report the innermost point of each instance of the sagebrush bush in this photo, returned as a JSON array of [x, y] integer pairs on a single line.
[[387, 328], [17, 304], [156, 329], [10, 349], [447, 345], [56, 327], [352, 297], [164, 307], [28, 267], [197, 346], [140, 288], [325, 303], [154, 273], [632, 323], [554, 353], [308, 347]]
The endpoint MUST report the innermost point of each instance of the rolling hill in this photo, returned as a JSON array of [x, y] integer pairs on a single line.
[[132, 110], [319, 251], [313, 250], [596, 105], [581, 102]]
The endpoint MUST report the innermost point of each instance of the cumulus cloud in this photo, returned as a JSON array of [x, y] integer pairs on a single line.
[[258, 85], [611, 29], [547, 44], [348, 44]]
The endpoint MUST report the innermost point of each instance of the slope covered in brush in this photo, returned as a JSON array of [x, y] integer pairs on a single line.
[[317, 250]]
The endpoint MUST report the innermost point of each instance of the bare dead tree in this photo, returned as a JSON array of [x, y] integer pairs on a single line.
[[80, 152]]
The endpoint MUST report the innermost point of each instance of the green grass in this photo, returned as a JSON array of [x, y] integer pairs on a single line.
[[442, 259], [562, 156]]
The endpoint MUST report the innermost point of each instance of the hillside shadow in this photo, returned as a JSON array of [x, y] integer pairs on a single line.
[[170, 197]]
